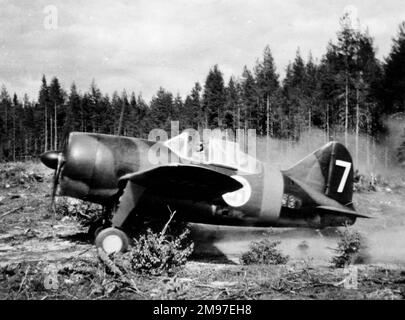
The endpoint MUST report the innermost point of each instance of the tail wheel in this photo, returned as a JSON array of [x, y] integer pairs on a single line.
[[112, 240]]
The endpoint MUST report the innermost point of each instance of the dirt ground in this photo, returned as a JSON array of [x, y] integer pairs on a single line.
[[43, 256]]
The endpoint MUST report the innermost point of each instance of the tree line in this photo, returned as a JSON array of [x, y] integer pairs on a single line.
[[347, 91]]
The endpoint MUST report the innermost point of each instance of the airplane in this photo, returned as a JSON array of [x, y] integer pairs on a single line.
[[124, 175]]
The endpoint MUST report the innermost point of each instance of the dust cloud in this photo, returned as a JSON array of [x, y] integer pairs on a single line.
[[384, 234]]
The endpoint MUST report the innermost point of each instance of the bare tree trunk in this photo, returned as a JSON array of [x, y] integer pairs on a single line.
[[234, 116], [267, 126], [46, 130], [346, 108], [56, 130], [246, 126], [368, 141], [121, 119], [374, 153], [238, 116], [272, 128], [14, 132], [51, 130], [6, 121], [268, 117], [6, 126], [81, 117], [357, 125], [368, 151], [327, 123]]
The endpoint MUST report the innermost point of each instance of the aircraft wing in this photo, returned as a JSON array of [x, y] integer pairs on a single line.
[[343, 211], [184, 181]]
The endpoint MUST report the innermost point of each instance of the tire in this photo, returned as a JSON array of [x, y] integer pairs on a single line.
[[96, 227], [112, 240]]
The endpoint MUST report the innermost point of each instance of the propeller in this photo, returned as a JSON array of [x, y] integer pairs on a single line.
[[54, 160]]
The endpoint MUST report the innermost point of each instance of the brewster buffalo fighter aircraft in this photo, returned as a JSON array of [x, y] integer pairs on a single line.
[[124, 175]]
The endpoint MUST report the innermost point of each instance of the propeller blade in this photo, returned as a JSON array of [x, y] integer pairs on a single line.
[[58, 170]]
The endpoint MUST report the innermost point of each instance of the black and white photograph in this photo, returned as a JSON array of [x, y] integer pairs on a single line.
[[219, 151]]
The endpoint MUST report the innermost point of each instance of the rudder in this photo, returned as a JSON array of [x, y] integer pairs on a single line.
[[337, 168], [328, 170]]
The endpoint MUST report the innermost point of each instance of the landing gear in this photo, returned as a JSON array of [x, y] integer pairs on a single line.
[[101, 222], [96, 227], [112, 240]]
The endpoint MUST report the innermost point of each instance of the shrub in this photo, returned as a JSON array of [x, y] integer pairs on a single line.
[[158, 253], [85, 212], [349, 249], [15, 174], [264, 252]]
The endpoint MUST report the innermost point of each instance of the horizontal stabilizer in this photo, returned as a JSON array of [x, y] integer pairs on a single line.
[[343, 211], [184, 181]]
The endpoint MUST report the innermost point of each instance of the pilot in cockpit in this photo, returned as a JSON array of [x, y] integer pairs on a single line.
[[199, 146], [198, 152]]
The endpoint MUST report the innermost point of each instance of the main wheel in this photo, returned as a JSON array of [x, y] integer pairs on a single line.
[[112, 240], [95, 228]]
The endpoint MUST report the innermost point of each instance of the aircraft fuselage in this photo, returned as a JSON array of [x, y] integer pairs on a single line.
[[95, 162]]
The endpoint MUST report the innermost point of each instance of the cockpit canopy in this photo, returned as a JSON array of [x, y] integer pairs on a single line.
[[214, 151]]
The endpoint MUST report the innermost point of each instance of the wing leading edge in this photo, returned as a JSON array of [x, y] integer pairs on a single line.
[[184, 181]]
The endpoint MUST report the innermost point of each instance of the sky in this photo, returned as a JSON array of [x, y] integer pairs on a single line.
[[141, 45]]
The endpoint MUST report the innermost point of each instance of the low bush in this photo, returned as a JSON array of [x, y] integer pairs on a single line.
[[350, 249], [157, 253], [264, 252], [85, 212], [15, 175]]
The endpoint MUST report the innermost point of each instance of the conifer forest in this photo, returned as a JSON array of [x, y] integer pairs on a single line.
[[347, 91]]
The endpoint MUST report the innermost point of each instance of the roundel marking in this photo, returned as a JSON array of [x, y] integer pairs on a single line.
[[241, 196]]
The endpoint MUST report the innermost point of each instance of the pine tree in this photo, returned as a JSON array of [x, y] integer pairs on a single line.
[[123, 115], [56, 98], [28, 127], [14, 111], [312, 93], [95, 114], [176, 109], [249, 100], [267, 86], [214, 98], [232, 105], [143, 111], [74, 117], [394, 77], [5, 107], [347, 48], [44, 103], [296, 89], [161, 110], [133, 116], [192, 115]]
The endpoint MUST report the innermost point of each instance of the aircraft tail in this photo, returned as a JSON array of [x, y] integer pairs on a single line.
[[328, 170]]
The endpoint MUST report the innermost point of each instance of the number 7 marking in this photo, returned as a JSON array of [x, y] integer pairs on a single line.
[[347, 166]]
